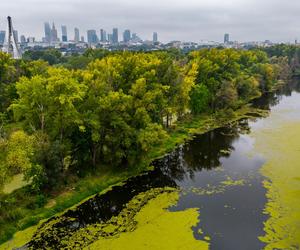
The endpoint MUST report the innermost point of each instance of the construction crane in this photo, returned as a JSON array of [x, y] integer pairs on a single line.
[[12, 46]]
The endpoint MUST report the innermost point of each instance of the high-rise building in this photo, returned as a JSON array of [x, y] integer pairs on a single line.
[[103, 35], [110, 38], [82, 39], [115, 36], [226, 38], [126, 36], [54, 34], [76, 35], [16, 36], [92, 37], [155, 37], [135, 38], [23, 39], [2, 37], [47, 32], [64, 34], [30, 39]]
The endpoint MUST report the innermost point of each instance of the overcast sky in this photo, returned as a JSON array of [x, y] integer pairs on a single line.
[[186, 20]]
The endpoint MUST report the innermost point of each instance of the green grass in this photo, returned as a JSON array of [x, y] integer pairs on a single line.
[[17, 182]]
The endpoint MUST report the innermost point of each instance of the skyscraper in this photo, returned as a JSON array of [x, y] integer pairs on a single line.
[[135, 38], [76, 35], [23, 39], [155, 37], [30, 39], [54, 34], [2, 37], [103, 35], [115, 36], [126, 36], [92, 37], [226, 38], [82, 39], [64, 34], [110, 38], [47, 32]]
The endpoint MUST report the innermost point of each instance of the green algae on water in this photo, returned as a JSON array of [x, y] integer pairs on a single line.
[[157, 228], [215, 189], [143, 219], [281, 147]]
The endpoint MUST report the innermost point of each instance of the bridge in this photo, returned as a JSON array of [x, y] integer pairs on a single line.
[[12, 47]]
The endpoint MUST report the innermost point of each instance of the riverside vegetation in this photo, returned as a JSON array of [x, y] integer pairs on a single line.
[[85, 123]]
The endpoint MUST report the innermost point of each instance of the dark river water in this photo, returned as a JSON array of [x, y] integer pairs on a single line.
[[218, 162]]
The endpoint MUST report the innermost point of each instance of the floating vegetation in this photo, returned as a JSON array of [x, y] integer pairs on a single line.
[[281, 148], [218, 189], [124, 222], [147, 209], [231, 182], [157, 228], [225, 152]]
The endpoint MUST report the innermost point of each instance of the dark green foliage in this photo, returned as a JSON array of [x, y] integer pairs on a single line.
[[52, 56], [200, 97]]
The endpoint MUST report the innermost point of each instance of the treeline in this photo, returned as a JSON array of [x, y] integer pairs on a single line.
[[56, 120], [291, 52]]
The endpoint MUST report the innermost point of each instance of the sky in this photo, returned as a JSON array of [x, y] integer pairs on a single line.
[[185, 20]]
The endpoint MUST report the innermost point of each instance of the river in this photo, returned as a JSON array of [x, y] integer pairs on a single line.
[[218, 173]]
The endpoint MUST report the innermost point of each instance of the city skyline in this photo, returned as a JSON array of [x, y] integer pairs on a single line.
[[51, 34], [174, 20]]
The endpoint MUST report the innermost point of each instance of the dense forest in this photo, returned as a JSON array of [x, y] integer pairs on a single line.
[[65, 116]]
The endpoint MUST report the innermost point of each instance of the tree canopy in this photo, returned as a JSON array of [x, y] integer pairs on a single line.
[[112, 107]]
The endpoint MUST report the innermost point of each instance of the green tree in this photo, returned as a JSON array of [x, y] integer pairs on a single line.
[[200, 97], [226, 95], [20, 151]]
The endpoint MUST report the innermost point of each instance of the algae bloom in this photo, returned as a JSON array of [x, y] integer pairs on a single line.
[[280, 145], [158, 228]]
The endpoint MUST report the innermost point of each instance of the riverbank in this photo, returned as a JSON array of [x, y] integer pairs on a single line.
[[76, 192]]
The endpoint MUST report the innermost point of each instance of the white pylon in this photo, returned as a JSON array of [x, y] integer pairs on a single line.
[[12, 46]]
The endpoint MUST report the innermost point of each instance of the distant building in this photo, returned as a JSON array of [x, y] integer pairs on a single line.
[[103, 35], [54, 37], [16, 36], [226, 38], [92, 37], [47, 30], [30, 39], [115, 36], [110, 38], [2, 36], [64, 34], [126, 36], [76, 35], [135, 38], [82, 39], [155, 37], [23, 39]]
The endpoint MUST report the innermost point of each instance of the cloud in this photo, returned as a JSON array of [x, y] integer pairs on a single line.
[[189, 20]]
